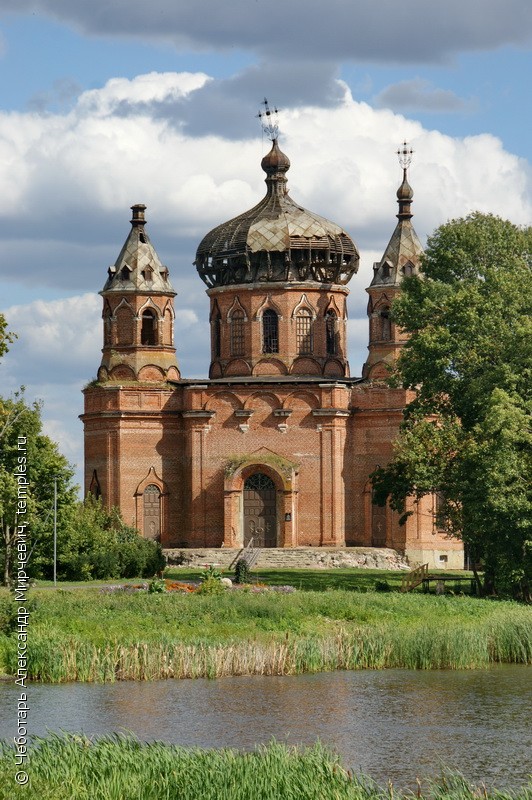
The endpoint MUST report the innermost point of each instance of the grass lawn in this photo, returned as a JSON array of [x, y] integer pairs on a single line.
[[319, 580]]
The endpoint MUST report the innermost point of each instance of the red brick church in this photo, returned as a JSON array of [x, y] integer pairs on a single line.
[[279, 442]]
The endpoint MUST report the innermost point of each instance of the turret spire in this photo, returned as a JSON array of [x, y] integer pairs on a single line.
[[138, 312], [401, 259], [403, 252]]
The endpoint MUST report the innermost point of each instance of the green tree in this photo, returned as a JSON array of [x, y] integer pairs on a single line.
[[31, 462], [468, 433]]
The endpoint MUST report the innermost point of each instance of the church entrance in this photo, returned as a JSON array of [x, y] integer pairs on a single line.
[[378, 526], [260, 511], [152, 513]]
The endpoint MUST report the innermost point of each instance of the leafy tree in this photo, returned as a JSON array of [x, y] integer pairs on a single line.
[[29, 464], [468, 432]]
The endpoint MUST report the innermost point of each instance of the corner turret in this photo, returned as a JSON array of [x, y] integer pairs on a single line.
[[402, 258], [138, 312]]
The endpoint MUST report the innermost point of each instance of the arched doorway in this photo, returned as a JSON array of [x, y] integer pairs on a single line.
[[260, 511], [152, 512], [378, 525]]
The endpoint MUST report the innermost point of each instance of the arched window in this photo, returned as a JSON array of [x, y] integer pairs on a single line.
[[386, 325], [107, 328], [152, 512], [149, 328], [331, 333], [237, 333], [304, 337], [95, 488], [167, 327], [439, 512], [217, 335], [270, 332]]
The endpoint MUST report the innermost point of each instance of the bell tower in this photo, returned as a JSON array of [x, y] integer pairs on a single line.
[[138, 312], [401, 259]]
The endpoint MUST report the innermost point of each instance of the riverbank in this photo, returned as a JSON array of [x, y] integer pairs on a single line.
[[121, 768], [95, 635]]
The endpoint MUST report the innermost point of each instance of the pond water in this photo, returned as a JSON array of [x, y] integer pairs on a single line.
[[394, 724]]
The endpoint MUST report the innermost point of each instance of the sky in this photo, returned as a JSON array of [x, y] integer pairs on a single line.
[[107, 104]]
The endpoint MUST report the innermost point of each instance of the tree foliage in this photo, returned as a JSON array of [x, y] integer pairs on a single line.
[[42, 464], [6, 336], [96, 543], [468, 432]]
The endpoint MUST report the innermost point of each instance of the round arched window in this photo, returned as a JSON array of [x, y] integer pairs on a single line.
[[148, 333], [152, 512], [270, 332], [331, 333], [304, 341]]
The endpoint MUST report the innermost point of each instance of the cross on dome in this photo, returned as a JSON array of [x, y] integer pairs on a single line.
[[269, 120]]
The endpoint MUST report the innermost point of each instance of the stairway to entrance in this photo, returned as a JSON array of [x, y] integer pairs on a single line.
[[293, 557]]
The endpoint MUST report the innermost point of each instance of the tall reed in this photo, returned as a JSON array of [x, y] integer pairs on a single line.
[[85, 636], [121, 768], [71, 658]]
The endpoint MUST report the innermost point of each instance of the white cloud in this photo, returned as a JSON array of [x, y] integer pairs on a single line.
[[151, 88], [56, 339]]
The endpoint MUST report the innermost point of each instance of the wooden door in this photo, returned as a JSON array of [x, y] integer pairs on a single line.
[[152, 513], [378, 526], [260, 511]]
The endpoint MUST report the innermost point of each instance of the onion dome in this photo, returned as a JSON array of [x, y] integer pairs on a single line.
[[276, 241], [138, 268]]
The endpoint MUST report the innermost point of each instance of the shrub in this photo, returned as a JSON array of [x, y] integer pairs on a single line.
[[99, 545], [242, 573], [157, 586], [211, 586], [382, 586], [211, 572]]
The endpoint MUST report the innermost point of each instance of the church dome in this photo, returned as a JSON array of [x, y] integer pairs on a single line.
[[276, 241]]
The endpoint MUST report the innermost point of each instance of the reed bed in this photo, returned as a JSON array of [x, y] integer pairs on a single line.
[[86, 636], [119, 767], [56, 659]]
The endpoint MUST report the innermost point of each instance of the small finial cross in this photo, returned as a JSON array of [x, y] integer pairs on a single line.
[[268, 119], [405, 154]]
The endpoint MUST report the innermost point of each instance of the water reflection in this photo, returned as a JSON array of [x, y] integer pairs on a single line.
[[394, 724]]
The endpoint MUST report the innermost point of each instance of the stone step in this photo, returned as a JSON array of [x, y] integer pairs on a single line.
[[293, 558]]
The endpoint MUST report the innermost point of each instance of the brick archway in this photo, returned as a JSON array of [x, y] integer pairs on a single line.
[[259, 509], [281, 510], [151, 507]]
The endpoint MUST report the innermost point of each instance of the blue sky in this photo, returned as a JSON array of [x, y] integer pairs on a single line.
[[104, 105]]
